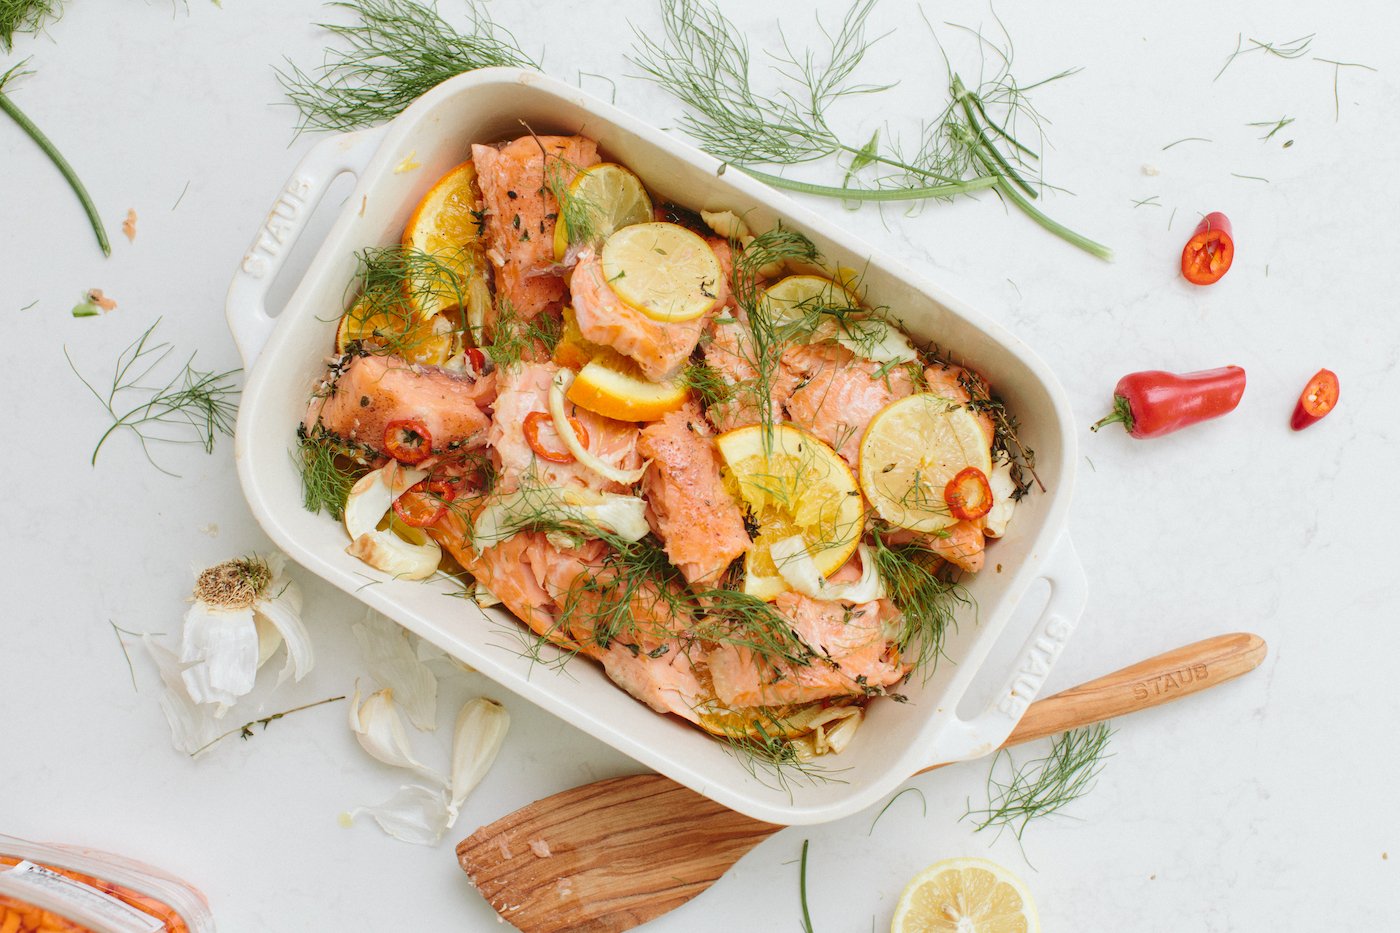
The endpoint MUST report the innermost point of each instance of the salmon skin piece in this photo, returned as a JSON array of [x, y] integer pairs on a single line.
[[840, 393], [358, 403], [851, 658], [659, 348], [696, 518], [520, 214]]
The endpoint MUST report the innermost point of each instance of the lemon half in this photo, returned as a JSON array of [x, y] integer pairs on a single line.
[[795, 485], [911, 449], [965, 895]]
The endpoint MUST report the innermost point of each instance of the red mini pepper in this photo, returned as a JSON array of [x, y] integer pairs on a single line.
[[538, 419], [1209, 252], [1319, 397], [1153, 403]]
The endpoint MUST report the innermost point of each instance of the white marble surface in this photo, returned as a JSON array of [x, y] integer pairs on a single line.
[[1266, 805]]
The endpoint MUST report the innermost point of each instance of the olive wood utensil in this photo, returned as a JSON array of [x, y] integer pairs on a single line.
[[611, 855]]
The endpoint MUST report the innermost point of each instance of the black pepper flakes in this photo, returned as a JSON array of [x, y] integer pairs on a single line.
[[512, 195]]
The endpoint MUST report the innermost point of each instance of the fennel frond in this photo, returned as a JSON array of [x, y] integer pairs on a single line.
[[1046, 785], [395, 51], [25, 16]]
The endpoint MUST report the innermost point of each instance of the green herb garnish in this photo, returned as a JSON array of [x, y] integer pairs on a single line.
[[1046, 785], [25, 16], [396, 50], [192, 406], [245, 731], [702, 60]]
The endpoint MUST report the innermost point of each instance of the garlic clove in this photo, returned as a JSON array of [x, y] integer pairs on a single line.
[[481, 727], [1003, 505], [380, 731]]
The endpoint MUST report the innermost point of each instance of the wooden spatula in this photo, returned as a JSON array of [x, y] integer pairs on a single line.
[[611, 855]]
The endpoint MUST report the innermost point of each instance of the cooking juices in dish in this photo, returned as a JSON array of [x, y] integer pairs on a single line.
[[688, 452]]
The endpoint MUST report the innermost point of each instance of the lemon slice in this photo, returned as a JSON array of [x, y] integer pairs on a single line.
[[789, 300], [663, 270], [606, 197], [445, 226], [965, 895], [910, 450], [611, 385], [384, 326], [796, 485]]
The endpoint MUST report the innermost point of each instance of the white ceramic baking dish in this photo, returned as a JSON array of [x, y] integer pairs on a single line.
[[285, 354]]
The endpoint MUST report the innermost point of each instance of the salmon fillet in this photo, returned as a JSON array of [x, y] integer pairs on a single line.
[[658, 348], [962, 544], [667, 683], [524, 388], [850, 641], [948, 381], [841, 393], [729, 352], [697, 520], [521, 213], [375, 390]]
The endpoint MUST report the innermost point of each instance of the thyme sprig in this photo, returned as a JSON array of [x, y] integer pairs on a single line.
[[245, 731], [9, 107], [701, 58], [1045, 785], [192, 406], [395, 51]]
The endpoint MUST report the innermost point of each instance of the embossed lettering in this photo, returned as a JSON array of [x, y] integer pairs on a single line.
[[1140, 691]]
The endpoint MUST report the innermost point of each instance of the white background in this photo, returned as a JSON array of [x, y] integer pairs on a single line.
[[1268, 804]]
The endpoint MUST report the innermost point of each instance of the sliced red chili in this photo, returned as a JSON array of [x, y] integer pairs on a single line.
[[475, 359], [408, 440], [1319, 397], [969, 495], [534, 420], [1210, 250]]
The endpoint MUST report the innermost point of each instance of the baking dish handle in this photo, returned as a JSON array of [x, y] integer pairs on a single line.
[[984, 733], [246, 305]]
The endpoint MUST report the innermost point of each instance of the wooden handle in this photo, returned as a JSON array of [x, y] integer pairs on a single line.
[[1158, 680]]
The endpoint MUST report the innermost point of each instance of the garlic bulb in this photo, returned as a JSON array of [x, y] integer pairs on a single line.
[[243, 611]]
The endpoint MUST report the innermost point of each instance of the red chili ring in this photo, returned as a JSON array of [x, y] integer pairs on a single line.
[[969, 495], [408, 440], [532, 437]]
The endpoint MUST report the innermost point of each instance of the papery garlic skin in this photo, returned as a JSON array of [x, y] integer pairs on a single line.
[[481, 729], [413, 814], [394, 663], [380, 731]]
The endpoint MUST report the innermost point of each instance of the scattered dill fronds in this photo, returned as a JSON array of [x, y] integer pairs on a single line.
[[1187, 139], [119, 632], [25, 16], [802, 890], [1273, 126], [192, 406], [395, 51], [1336, 78], [1293, 48], [390, 283], [768, 756], [30, 305], [329, 468], [1249, 177], [612, 85], [578, 214], [513, 338], [9, 107], [889, 803], [701, 58], [1046, 785], [707, 383], [180, 198], [1148, 202], [245, 731], [928, 603]]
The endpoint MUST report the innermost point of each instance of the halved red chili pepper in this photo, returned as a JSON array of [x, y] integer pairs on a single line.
[[1153, 403], [1210, 250], [408, 440], [1319, 397], [425, 502], [969, 495], [534, 420]]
